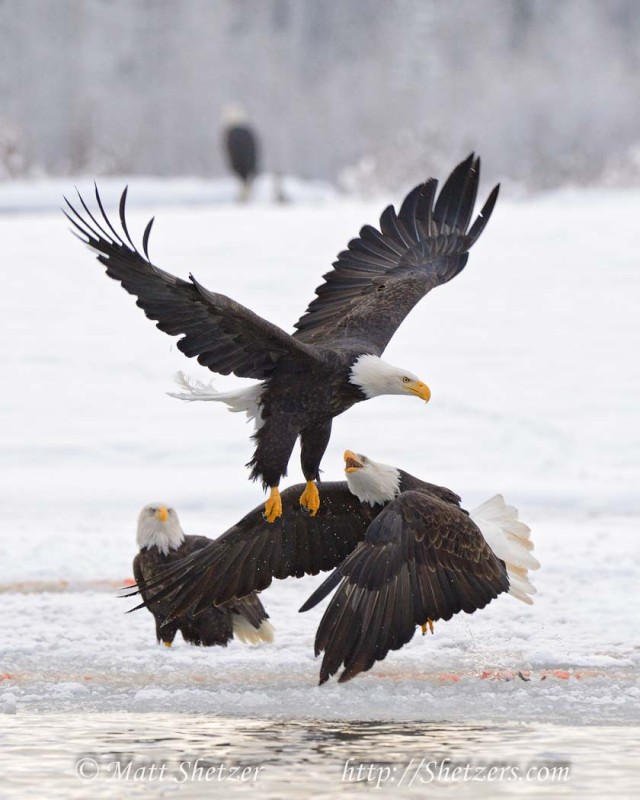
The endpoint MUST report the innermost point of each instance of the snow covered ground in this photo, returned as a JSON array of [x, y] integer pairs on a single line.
[[531, 355]]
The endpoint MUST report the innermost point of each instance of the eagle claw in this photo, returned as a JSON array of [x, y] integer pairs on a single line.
[[273, 506], [427, 625], [310, 499]]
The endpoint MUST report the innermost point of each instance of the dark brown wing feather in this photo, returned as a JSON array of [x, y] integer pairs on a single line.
[[253, 552], [223, 335], [422, 558], [248, 607], [383, 274], [212, 627]]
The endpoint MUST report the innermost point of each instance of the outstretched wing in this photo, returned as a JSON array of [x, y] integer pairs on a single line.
[[253, 552], [380, 278], [225, 336], [421, 559]]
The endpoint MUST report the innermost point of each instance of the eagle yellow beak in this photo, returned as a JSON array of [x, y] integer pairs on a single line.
[[420, 389], [351, 461], [162, 514]]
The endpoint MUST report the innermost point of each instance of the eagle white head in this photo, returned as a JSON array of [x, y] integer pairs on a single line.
[[159, 526], [370, 481], [375, 377], [234, 114]]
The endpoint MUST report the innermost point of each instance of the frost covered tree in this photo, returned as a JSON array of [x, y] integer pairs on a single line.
[[545, 89]]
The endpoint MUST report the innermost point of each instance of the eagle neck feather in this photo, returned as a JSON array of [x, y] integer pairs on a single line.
[[165, 536], [376, 484]]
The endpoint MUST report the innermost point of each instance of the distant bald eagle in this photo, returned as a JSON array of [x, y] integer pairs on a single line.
[[241, 148], [333, 359], [162, 543], [404, 554]]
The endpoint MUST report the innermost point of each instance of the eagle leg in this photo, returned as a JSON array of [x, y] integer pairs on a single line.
[[310, 498], [428, 624], [167, 644], [273, 505]]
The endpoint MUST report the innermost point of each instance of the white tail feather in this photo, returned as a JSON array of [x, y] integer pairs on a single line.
[[247, 400], [245, 632], [510, 540]]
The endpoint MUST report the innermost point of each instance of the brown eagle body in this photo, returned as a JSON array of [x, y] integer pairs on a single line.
[[215, 625]]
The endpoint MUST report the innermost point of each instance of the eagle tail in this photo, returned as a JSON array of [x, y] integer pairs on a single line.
[[246, 633], [510, 540], [247, 400], [250, 620]]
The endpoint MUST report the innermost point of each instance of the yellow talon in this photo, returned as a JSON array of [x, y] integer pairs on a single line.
[[428, 624], [273, 505], [167, 644], [310, 498]]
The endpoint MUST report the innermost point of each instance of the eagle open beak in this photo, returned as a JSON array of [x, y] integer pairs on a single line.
[[162, 514], [420, 389], [351, 463]]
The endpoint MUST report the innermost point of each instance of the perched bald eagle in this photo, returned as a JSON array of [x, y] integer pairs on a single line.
[[404, 554], [241, 148], [333, 359], [162, 543]]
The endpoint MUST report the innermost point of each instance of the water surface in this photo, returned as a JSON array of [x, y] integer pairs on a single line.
[[190, 755]]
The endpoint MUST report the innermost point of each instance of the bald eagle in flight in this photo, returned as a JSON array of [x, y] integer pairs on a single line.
[[403, 553], [162, 543], [333, 359]]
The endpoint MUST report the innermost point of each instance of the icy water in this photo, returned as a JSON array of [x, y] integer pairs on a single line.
[[170, 755]]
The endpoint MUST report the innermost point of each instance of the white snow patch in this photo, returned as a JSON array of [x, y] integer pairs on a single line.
[[8, 703]]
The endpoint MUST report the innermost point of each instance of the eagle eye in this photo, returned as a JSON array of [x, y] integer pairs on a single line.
[[406, 380]]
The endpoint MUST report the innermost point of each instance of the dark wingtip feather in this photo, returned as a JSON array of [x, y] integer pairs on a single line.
[[80, 225], [131, 591], [455, 201], [116, 235], [483, 217], [98, 229], [408, 209], [145, 238], [325, 588], [123, 220]]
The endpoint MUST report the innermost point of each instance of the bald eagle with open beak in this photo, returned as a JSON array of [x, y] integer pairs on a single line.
[[423, 559], [162, 543], [404, 554], [333, 360]]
